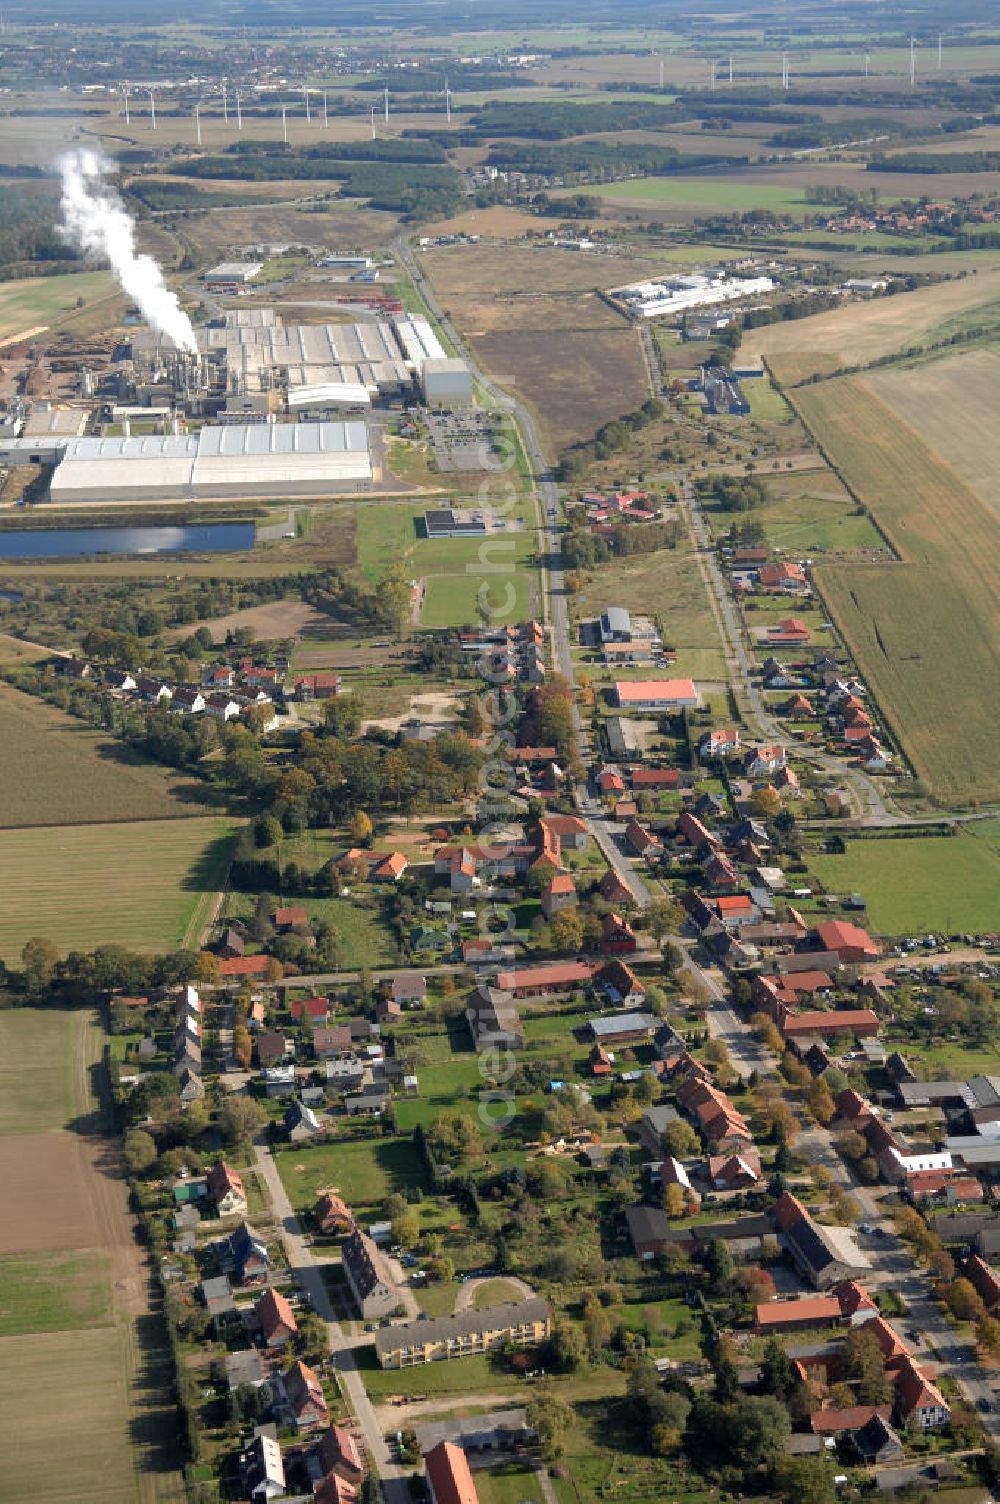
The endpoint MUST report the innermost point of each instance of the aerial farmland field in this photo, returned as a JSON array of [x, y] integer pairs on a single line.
[[924, 629], [74, 1315], [77, 775], [147, 885], [859, 332], [952, 403]]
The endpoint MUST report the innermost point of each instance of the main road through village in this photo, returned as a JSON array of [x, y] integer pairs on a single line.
[[891, 1260]]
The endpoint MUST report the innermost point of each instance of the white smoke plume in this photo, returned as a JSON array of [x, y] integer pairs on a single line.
[[97, 222]]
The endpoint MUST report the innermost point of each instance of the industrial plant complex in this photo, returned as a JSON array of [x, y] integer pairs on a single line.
[[257, 407]]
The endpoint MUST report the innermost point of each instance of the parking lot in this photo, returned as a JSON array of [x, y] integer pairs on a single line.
[[465, 440]]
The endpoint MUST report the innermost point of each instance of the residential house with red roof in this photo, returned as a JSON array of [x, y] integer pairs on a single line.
[[783, 579], [984, 1280], [226, 1189], [244, 966], [734, 1172], [332, 1214], [792, 632], [316, 1009], [559, 893], [642, 842], [614, 889], [449, 1479], [617, 936], [690, 830], [305, 1396], [275, 1319], [291, 918], [762, 762], [919, 1401], [619, 984], [337, 1453], [724, 741], [390, 869]]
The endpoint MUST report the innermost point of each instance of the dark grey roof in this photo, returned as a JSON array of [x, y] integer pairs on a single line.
[[365, 1264], [495, 1428], [462, 1324]]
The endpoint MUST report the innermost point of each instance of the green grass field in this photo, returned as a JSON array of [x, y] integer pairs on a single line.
[[36, 1069], [36, 301], [364, 940], [146, 885], [765, 400], [948, 883], [77, 775], [725, 193], [455, 600], [365, 1171], [53, 1292], [508, 1483]]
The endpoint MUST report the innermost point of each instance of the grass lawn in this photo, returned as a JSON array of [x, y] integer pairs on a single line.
[[765, 401], [509, 1483], [392, 533], [661, 1319], [145, 885], [948, 883], [36, 1069], [494, 1292], [953, 1062], [437, 1299], [364, 1171], [53, 1292], [471, 1375]]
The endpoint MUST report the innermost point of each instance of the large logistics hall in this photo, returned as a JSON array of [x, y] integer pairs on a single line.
[[238, 460]]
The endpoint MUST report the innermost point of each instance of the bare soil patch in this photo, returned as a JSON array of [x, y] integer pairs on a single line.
[[574, 380], [278, 619], [48, 1178]]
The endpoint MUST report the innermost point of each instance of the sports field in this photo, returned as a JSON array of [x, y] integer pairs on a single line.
[[146, 885], [952, 403], [947, 883], [76, 775], [923, 630]]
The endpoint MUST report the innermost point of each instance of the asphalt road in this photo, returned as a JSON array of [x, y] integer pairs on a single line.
[[306, 1273]]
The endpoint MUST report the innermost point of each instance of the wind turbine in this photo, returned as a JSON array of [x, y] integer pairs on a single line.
[[373, 122], [387, 106], [308, 116], [152, 109], [225, 103], [197, 121], [447, 102], [913, 61], [239, 112], [326, 117], [127, 120], [284, 125]]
